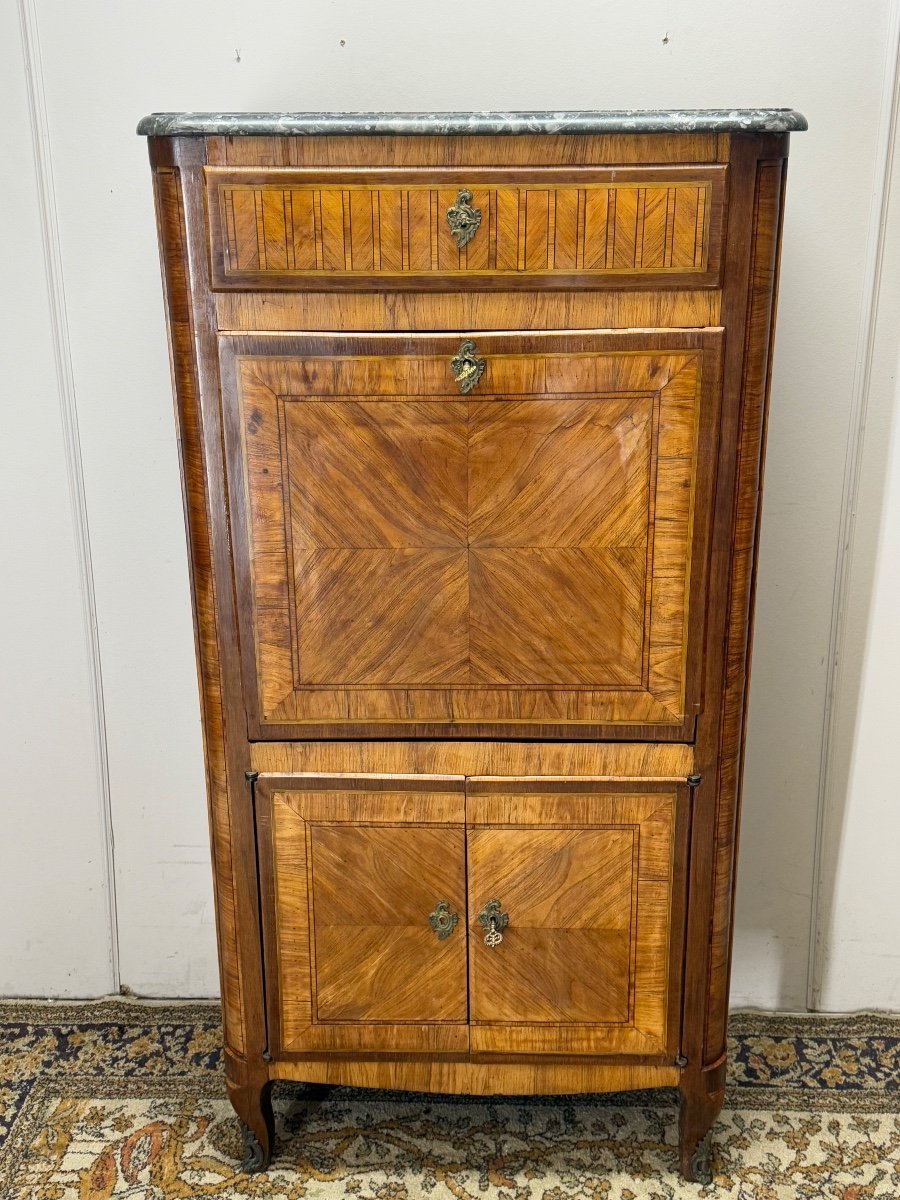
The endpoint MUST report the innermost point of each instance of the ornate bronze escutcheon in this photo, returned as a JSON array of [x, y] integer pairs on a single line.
[[467, 368], [442, 920], [463, 219], [493, 921]]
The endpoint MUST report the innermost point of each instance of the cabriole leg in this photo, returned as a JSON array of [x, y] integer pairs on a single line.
[[253, 1104], [698, 1109]]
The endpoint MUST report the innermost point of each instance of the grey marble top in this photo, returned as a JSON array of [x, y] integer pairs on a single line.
[[627, 120]]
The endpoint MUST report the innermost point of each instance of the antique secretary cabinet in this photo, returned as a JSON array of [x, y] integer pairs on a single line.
[[472, 413]]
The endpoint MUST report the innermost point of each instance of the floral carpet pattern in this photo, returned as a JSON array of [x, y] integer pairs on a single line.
[[120, 1099]]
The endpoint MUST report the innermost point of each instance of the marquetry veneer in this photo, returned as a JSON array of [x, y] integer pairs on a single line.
[[577, 227], [471, 432]]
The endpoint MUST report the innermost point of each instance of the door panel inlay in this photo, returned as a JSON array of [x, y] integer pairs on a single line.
[[589, 877], [352, 870]]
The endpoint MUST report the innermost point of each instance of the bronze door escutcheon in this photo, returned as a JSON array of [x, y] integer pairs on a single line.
[[493, 921], [442, 920]]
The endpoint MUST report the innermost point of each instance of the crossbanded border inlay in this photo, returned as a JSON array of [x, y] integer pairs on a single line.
[[299, 229], [437, 685]]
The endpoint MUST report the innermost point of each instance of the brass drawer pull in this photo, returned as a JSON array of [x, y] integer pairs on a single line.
[[493, 922], [442, 920], [467, 368], [463, 219]]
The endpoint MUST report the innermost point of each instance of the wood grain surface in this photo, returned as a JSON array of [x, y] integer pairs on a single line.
[[757, 178], [591, 879], [548, 1078], [201, 520], [483, 646], [523, 557], [290, 229], [597, 760], [589, 873], [352, 870], [395, 312], [522, 150], [768, 202]]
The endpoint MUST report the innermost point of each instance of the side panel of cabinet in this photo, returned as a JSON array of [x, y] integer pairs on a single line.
[[592, 880], [361, 880]]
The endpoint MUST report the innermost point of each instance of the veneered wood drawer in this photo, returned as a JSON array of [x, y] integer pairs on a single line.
[[579, 227]]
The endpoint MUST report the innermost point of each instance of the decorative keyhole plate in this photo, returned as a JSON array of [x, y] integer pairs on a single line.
[[442, 920], [493, 921], [463, 219], [467, 367]]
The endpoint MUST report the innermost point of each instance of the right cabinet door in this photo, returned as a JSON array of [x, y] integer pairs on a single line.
[[576, 916]]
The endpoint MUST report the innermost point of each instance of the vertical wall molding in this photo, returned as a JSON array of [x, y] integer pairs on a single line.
[[62, 353], [888, 125]]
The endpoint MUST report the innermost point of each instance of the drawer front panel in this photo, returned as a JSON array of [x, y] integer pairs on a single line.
[[590, 880], [523, 559], [363, 886], [659, 227]]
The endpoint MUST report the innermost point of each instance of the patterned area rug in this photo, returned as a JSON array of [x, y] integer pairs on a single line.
[[121, 1099]]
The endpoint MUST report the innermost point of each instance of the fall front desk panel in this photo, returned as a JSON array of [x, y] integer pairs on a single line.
[[524, 557]]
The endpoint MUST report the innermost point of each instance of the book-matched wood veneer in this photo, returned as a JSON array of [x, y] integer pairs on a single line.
[[361, 480], [591, 873]]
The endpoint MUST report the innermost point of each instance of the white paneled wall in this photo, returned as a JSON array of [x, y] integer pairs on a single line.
[[858, 947], [56, 933], [99, 67]]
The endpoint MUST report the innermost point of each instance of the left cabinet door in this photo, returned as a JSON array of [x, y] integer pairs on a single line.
[[363, 912]]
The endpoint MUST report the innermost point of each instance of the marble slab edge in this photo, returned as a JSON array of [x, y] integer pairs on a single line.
[[306, 124]]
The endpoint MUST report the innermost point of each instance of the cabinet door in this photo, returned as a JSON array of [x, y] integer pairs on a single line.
[[526, 559], [590, 878], [363, 886]]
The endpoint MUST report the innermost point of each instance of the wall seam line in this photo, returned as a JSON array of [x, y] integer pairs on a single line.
[[889, 117], [66, 395]]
